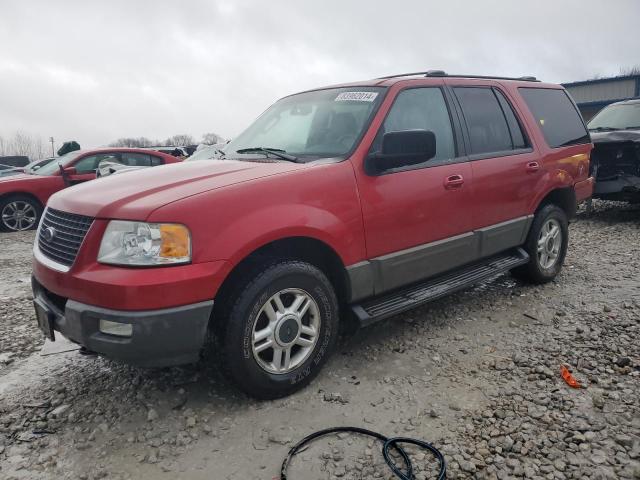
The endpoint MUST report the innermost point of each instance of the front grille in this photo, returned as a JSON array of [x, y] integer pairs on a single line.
[[68, 230]]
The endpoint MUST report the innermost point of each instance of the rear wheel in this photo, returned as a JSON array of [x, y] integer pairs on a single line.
[[279, 329], [18, 213], [546, 245]]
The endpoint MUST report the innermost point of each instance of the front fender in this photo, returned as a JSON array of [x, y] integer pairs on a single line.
[[265, 225], [320, 202]]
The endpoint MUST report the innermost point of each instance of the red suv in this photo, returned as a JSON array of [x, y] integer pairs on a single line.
[[23, 196], [355, 201]]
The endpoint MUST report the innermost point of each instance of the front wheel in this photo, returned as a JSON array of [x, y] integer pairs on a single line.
[[279, 329], [546, 245], [19, 213]]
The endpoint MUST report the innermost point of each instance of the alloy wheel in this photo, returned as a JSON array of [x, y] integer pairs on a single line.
[[549, 243], [19, 215], [285, 331]]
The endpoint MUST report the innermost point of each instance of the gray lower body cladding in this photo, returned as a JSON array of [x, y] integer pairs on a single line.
[[160, 338], [388, 272]]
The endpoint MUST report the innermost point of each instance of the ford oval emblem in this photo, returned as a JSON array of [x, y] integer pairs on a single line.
[[49, 234]]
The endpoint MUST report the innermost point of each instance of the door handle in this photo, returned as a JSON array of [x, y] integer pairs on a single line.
[[533, 167], [453, 181]]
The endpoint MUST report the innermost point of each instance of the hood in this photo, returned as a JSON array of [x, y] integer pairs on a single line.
[[21, 180], [10, 172], [16, 177], [615, 136], [138, 193]]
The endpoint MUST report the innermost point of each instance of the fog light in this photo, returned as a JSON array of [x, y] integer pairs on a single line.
[[116, 328]]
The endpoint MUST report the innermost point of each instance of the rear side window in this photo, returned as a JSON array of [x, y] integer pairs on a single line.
[[556, 115], [136, 159], [141, 160], [487, 125]]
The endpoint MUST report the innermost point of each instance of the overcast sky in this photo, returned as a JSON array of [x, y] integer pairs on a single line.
[[95, 71]]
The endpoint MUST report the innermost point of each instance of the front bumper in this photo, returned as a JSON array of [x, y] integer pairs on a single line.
[[622, 187], [165, 337]]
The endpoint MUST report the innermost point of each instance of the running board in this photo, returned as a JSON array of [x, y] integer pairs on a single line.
[[415, 295]]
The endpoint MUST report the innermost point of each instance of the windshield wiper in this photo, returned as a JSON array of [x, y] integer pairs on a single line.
[[278, 152]]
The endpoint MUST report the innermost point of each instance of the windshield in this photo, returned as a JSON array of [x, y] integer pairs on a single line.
[[52, 167], [621, 116], [322, 123], [38, 164]]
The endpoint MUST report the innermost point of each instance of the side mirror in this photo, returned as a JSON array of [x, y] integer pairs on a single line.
[[70, 171], [401, 149]]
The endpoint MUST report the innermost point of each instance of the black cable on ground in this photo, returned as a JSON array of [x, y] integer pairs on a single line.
[[388, 444]]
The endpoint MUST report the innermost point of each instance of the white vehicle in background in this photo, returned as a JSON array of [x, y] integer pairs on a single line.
[[208, 152], [109, 167]]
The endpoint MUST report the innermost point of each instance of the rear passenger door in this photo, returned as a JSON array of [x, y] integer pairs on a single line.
[[505, 167]]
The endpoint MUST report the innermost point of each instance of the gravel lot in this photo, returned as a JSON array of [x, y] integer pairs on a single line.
[[477, 374]]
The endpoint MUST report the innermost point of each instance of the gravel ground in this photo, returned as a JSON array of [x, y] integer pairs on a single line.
[[477, 374]]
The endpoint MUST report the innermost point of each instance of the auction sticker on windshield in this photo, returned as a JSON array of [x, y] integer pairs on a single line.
[[356, 96]]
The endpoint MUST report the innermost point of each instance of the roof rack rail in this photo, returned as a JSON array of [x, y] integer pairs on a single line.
[[441, 73], [407, 75]]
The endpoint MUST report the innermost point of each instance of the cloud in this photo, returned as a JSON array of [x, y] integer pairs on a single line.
[[96, 71]]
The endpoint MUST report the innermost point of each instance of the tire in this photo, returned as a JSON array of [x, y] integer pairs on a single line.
[[544, 265], [262, 310], [10, 208]]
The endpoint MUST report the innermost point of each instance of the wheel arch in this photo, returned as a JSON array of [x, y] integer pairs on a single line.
[[304, 248], [4, 196], [563, 197]]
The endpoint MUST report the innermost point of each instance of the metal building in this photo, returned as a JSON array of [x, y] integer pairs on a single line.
[[592, 95]]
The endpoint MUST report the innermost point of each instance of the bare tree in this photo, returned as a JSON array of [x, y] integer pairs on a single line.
[[138, 142], [22, 144], [635, 70], [180, 140], [38, 148], [212, 138], [134, 142]]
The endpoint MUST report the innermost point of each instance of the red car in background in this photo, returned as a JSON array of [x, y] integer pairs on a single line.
[[23, 197]]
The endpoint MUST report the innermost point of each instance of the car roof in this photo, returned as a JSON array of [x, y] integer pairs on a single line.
[[114, 149], [163, 147], [388, 81]]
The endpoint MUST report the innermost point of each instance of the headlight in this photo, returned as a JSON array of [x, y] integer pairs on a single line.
[[140, 243]]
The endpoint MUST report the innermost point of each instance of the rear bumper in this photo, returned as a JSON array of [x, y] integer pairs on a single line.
[[165, 337], [584, 189]]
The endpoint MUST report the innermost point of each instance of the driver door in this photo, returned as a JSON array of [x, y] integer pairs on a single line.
[[417, 218]]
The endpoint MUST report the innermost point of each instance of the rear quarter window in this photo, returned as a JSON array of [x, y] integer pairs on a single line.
[[556, 115]]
